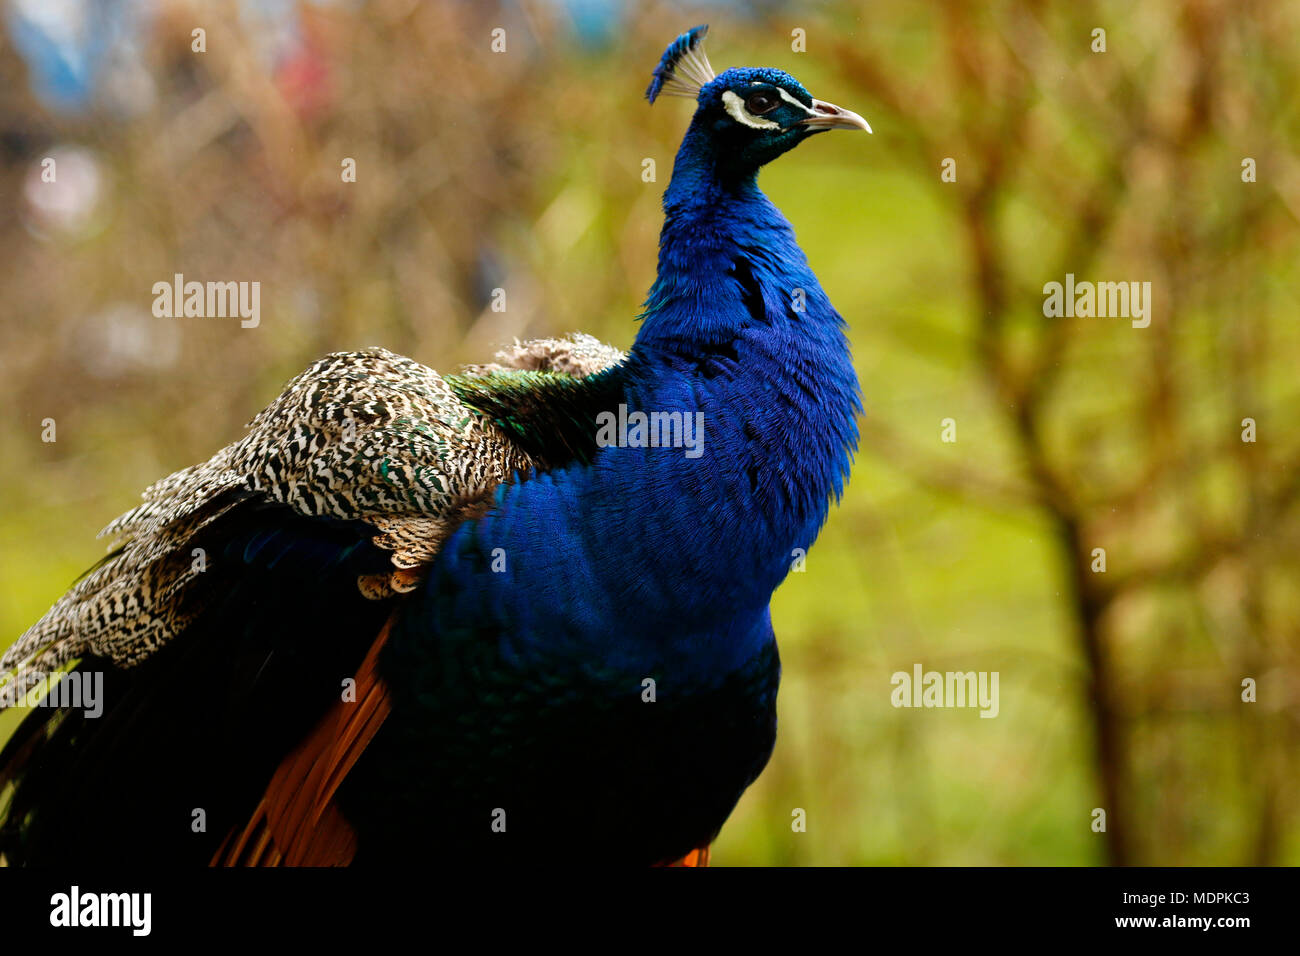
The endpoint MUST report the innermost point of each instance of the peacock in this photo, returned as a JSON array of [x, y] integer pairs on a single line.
[[510, 614]]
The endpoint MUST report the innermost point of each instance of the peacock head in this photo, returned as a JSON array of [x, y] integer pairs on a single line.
[[750, 115]]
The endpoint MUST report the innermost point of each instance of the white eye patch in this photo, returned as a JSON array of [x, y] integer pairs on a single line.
[[736, 107], [791, 100]]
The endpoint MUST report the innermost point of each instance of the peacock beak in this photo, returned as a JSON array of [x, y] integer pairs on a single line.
[[830, 116]]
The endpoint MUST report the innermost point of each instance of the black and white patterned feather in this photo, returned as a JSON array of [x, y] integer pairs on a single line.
[[366, 435]]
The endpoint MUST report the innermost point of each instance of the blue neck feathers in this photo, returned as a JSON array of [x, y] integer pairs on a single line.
[[652, 554]]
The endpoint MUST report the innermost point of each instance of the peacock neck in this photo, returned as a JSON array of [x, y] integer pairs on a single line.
[[738, 333], [712, 218], [676, 547]]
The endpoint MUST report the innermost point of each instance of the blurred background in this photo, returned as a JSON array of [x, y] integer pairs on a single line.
[[523, 170]]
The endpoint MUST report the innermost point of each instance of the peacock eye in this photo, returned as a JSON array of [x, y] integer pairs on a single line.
[[760, 103]]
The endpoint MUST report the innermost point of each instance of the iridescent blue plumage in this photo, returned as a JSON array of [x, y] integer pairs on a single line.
[[679, 556], [581, 583]]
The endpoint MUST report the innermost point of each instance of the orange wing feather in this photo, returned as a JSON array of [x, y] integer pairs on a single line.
[[297, 822]]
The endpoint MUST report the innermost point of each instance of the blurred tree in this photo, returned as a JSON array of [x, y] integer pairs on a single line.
[[1123, 165]]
